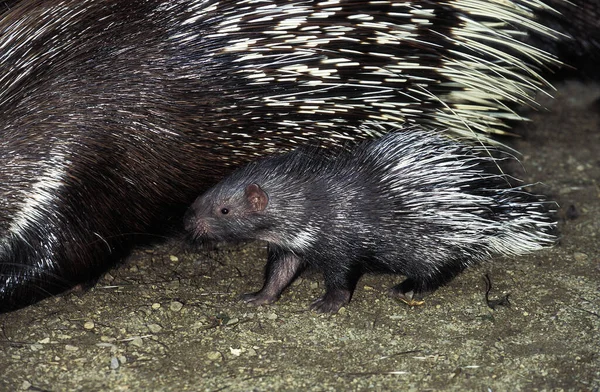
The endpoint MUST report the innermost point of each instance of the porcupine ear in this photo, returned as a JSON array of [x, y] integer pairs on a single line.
[[257, 198]]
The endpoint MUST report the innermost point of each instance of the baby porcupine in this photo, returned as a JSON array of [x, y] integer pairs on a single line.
[[410, 203]]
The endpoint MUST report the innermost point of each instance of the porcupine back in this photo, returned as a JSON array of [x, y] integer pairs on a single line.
[[112, 114]]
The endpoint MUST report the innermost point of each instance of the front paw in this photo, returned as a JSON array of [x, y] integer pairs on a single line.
[[259, 298]]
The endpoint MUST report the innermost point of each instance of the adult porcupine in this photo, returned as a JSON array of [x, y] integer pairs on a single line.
[[410, 203], [114, 112], [580, 20]]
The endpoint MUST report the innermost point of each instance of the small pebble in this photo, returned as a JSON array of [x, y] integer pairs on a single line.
[[69, 347], [114, 363], [155, 306], [89, 325], [176, 306], [579, 256], [271, 316], [137, 341], [154, 328], [44, 341], [214, 356], [174, 258], [36, 347], [232, 321], [197, 325], [26, 385]]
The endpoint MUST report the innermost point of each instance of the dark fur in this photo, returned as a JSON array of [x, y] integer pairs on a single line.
[[580, 21], [134, 140], [374, 208]]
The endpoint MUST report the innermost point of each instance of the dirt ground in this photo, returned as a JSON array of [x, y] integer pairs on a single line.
[[170, 319]]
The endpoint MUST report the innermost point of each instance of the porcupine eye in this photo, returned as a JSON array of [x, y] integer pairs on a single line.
[[224, 211]]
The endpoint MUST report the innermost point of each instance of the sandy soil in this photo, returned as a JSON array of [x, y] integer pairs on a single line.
[[170, 319]]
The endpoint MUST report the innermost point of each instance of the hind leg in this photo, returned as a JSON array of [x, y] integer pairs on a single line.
[[415, 288], [339, 288], [408, 292]]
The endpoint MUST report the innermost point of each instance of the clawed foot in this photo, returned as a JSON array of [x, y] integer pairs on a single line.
[[331, 302], [408, 298], [406, 293], [258, 298]]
